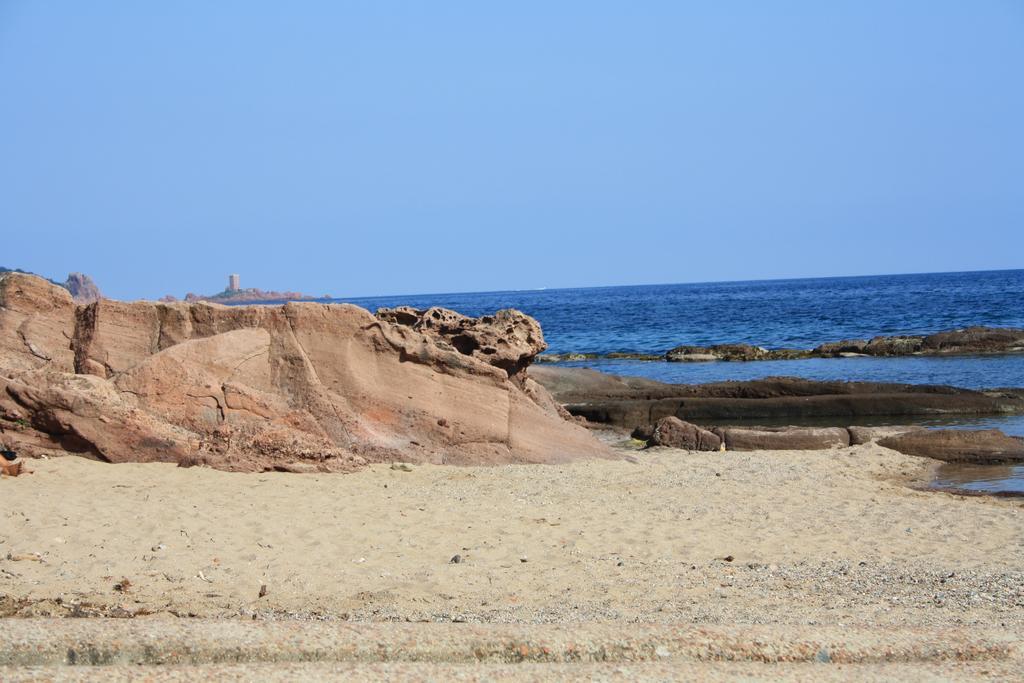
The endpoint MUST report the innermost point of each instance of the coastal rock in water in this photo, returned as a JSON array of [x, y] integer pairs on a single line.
[[731, 352], [972, 340], [83, 290], [981, 447], [783, 438], [674, 433], [293, 387], [839, 348], [976, 340], [631, 401], [894, 346]]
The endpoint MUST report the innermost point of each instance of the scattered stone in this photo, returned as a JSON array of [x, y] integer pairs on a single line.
[[456, 559], [29, 557], [728, 558], [263, 591], [401, 467], [122, 586]]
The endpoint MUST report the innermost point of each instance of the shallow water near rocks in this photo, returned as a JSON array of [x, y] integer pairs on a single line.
[[991, 479]]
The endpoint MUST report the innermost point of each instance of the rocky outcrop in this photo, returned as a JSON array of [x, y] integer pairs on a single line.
[[630, 402], [674, 433], [509, 340], [297, 387], [981, 447], [82, 289]]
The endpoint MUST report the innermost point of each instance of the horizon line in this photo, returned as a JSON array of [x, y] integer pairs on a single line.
[[669, 284]]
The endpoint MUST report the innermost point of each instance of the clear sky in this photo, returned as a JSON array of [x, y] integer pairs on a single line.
[[359, 148]]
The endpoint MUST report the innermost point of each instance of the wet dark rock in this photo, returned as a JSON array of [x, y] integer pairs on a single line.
[[971, 340], [894, 346], [631, 401], [643, 432], [619, 355], [728, 352], [839, 348], [976, 340]]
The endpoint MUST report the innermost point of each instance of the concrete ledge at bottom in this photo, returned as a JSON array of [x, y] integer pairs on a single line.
[[185, 642]]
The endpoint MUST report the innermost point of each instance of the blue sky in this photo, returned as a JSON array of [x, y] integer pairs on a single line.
[[360, 148]]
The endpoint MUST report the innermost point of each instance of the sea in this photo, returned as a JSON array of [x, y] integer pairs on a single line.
[[803, 313], [798, 313]]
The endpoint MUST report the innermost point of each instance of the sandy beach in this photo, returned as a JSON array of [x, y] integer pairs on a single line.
[[745, 547], [751, 538]]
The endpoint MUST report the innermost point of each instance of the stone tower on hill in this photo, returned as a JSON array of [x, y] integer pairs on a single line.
[[234, 282]]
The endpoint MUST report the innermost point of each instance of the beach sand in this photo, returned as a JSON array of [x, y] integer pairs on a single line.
[[829, 539]]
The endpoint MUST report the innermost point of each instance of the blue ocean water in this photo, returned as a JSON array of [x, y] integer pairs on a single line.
[[780, 314], [775, 314]]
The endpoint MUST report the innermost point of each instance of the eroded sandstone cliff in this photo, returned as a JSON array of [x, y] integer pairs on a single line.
[[299, 386]]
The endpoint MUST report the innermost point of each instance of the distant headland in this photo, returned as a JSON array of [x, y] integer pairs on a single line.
[[234, 294]]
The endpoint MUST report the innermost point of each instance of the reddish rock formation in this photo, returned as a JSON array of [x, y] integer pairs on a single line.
[[508, 339], [299, 386]]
